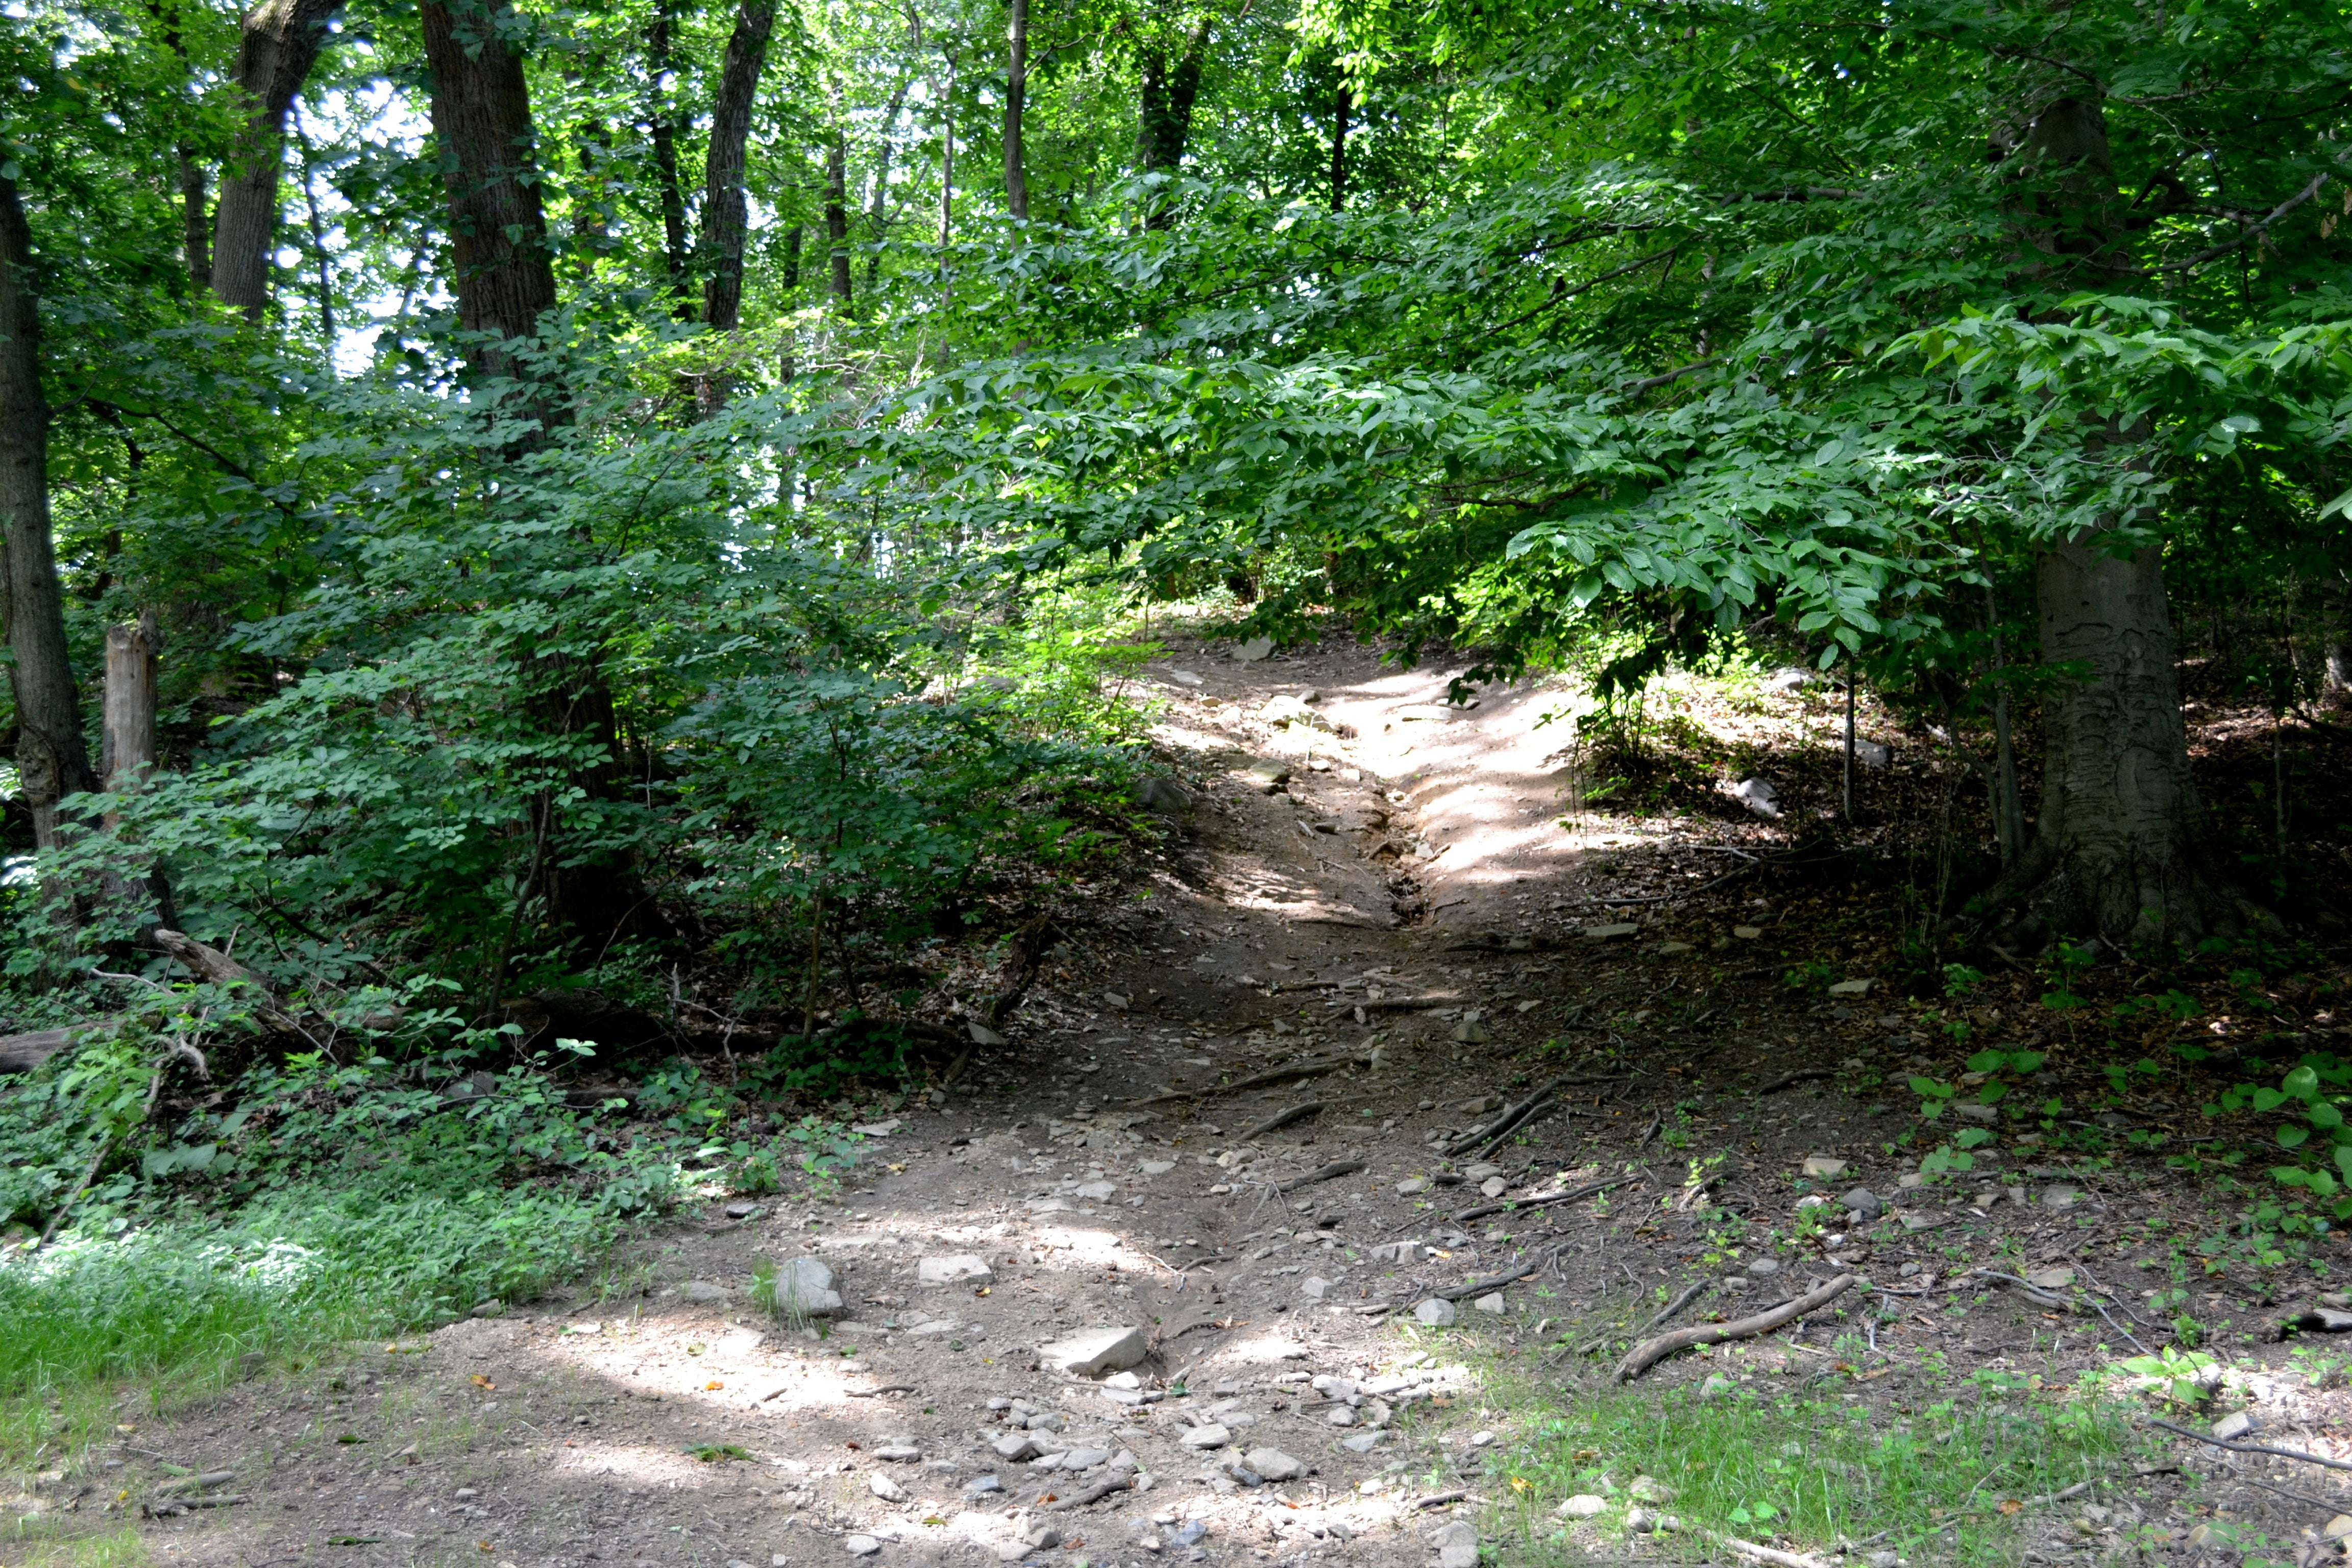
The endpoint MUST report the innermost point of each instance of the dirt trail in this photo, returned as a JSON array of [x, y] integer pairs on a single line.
[[1403, 903]]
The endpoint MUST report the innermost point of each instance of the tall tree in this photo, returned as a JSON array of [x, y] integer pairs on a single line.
[[878, 212], [661, 128], [1017, 98], [1167, 92], [836, 212], [279, 42], [1340, 152], [724, 214], [502, 270], [52, 754]]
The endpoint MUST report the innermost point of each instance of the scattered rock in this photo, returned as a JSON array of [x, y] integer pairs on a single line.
[[2061, 1197], [1827, 1167], [1208, 1436], [1364, 1442], [876, 1128], [1117, 1001], [1285, 709], [1085, 1459], [1316, 1286], [1967, 1111], [1268, 776], [1583, 1505], [1341, 1415], [1490, 1304], [1099, 1349], [1863, 1204], [1188, 1534], [1470, 1032], [961, 1269], [982, 1034], [2059, 1278], [1873, 754], [1612, 932], [1015, 1447], [1715, 1387], [1456, 1543], [1852, 988], [1254, 650], [1274, 1464], [2235, 1425], [860, 1545], [1156, 1167], [1763, 1267], [1748, 934], [702, 1292], [1162, 797], [496, 1309], [1097, 1192], [1409, 1187], [2338, 1528], [1493, 1187], [1435, 1314], [1757, 796], [805, 1288], [901, 1453], [1649, 1489], [886, 1488], [983, 1486]]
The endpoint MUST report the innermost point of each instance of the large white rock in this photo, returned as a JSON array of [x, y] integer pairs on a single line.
[[962, 1270], [1584, 1505], [1211, 1436], [886, 1488], [1434, 1313], [1457, 1545], [1097, 1349]]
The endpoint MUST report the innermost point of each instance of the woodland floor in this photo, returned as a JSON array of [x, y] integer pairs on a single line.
[[1419, 896]]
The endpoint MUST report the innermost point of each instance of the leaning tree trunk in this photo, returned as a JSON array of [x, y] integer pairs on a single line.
[[52, 757], [279, 42], [724, 218], [2121, 848], [504, 271]]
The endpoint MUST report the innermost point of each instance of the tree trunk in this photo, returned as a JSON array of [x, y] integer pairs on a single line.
[[504, 273], [878, 214], [837, 213], [196, 223], [662, 128], [129, 751], [278, 43], [52, 758], [1164, 123], [1016, 96], [1339, 154], [724, 214], [2121, 848]]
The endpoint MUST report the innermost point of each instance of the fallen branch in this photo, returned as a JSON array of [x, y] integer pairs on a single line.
[[1495, 1281], [1314, 1068], [1336, 1169], [875, 1393], [1789, 1080], [219, 967], [1650, 1353], [23, 1053], [1094, 1493], [1283, 1119], [1466, 1216], [1438, 1500], [1689, 1293], [2033, 1292], [2252, 1447], [1023, 955], [1771, 1554]]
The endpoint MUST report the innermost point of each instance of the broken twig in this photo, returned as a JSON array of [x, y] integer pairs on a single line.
[[1650, 1353]]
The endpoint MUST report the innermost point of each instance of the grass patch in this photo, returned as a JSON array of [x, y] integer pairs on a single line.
[[50, 1542], [1944, 1472]]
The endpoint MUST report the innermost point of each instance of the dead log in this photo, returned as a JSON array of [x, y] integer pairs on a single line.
[[1648, 1353], [220, 969], [23, 1053]]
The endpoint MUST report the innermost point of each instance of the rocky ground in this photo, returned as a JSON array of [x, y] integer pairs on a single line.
[[1205, 1265]]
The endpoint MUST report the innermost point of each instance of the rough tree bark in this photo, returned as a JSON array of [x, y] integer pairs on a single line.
[[661, 128], [505, 273], [724, 210], [837, 213], [2120, 849], [1016, 96], [1340, 152], [52, 757], [1164, 120], [279, 42]]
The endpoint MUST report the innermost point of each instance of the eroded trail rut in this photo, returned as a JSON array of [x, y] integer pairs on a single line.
[[1386, 943]]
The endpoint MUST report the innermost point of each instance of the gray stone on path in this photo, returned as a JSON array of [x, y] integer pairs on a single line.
[[982, 1034], [1268, 776], [2061, 1197], [1364, 1442], [1254, 650], [1490, 1304], [1096, 1351], [1341, 1415], [886, 1488], [805, 1288], [1863, 1204], [1099, 1192], [1827, 1167], [702, 1292], [1316, 1288], [1014, 1447], [1611, 932], [1763, 1267], [2235, 1425], [1162, 797], [1210, 1436], [860, 1545], [1085, 1459], [1456, 1543], [1434, 1313], [1274, 1464], [964, 1268], [1583, 1505]]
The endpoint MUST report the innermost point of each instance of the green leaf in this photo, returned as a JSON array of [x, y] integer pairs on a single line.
[[2303, 1083], [2292, 1137]]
